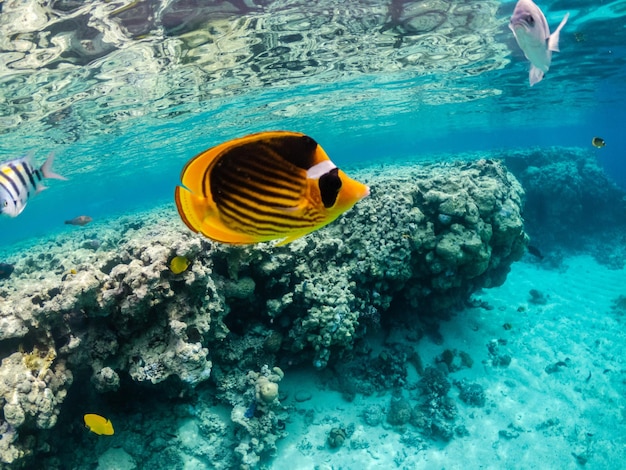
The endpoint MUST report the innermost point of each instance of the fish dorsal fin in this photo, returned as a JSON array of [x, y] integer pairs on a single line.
[[553, 40]]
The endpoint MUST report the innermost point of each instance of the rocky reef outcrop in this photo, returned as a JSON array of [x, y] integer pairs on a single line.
[[571, 203], [105, 301]]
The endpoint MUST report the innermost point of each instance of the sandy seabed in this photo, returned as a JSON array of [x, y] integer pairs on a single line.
[[559, 404]]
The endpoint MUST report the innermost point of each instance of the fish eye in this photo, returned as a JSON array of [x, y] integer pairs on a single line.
[[530, 20]]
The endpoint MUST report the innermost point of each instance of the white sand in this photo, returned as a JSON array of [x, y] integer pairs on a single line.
[[585, 398]]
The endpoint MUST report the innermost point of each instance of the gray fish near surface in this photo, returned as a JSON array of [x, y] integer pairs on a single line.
[[19, 180], [80, 220], [6, 270], [531, 31]]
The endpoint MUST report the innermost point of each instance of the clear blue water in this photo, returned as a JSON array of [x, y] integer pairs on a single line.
[[125, 93], [126, 100]]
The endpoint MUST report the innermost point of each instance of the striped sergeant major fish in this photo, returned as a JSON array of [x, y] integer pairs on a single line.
[[19, 180]]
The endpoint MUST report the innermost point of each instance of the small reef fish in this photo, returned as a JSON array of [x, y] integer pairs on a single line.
[[99, 424], [262, 187], [19, 180], [179, 264], [6, 270], [531, 31], [80, 220], [598, 142]]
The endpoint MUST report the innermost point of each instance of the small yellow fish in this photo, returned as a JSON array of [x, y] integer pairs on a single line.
[[598, 142], [179, 264], [98, 424], [262, 187]]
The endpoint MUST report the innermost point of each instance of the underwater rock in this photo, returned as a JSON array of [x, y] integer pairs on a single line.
[[455, 360], [302, 395], [266, 390], [258, 433], [106, 380], [373, 415], [118, 458], [498, 359], [237, 307], [570, 201], [537, 297], [399, 409], [242, 288], [368, 375], [33, 385], [436, 413], [471, 393], [6, 270], [336, 437]]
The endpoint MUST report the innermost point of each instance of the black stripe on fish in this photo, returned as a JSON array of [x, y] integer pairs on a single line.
[[6, 189], [18, 172], [260, 176], [257, 214], [32, 175], [237, 212], [16, 189], [263, 188], [299, 150], [247, 223], [278, 175], [263, 167], [254, 196]]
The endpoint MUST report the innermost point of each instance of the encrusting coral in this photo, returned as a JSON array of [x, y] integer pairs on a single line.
[[32, 387], [426, 238]]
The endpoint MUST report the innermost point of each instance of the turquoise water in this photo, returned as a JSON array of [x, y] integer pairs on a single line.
[[125, 93], [125, 96]]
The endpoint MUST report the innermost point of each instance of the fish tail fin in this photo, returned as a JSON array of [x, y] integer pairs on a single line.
[[553, 40], [46, 169], [535, 75]]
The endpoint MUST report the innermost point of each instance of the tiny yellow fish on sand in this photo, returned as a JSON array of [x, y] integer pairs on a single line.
[[19, 180], [98, 424], [179, 264], [261, 187], [598, 142]]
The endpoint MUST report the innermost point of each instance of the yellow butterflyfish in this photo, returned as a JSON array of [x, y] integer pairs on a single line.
[[261, 187], [98, 424], [179, 264]]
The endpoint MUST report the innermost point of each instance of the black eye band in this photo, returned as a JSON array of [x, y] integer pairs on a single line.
[[330, 184]]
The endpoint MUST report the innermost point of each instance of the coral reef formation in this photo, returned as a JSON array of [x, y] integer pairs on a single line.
[[425, 240], [571, 202], [32, 390]]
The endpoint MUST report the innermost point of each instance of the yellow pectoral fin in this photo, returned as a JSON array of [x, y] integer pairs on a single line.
[[293, 237], [192, 209]]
